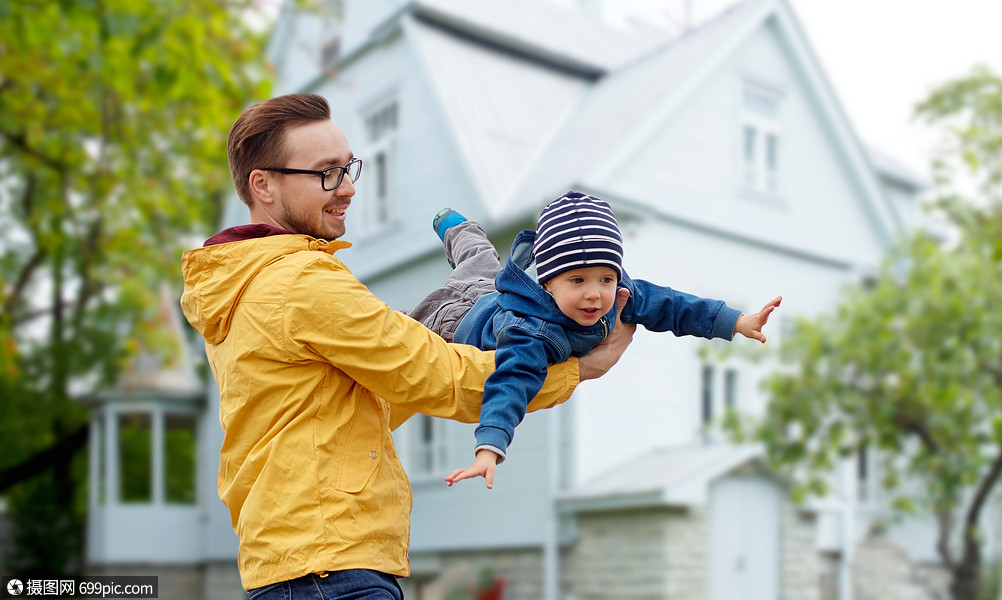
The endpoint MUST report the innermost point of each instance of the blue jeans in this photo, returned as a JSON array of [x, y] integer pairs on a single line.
[[352, 584]]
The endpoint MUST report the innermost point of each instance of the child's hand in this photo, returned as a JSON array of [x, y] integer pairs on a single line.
[[484, 466], [750, 326]]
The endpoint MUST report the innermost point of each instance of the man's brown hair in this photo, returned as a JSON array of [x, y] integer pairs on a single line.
[[257, 139]]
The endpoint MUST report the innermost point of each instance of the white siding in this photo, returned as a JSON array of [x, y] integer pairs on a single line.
[[651, 398]]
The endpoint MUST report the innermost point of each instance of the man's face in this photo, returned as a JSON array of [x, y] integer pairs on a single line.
[[302, 205], [584, 294]]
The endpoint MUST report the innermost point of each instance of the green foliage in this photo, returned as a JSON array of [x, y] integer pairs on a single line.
[[113, 124], [50, 539]]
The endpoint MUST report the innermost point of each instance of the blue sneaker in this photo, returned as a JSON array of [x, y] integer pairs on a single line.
[[445, 219]]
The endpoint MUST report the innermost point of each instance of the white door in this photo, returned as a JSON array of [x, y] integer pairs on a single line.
[[744, 539]]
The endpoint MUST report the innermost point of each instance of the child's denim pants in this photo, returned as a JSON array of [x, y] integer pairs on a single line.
[[477, 263]]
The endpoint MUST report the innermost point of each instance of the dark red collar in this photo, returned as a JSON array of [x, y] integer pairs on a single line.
[[244, 232]]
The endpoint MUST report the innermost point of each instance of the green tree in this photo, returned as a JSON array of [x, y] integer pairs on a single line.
[[113, 124], [912, 366]]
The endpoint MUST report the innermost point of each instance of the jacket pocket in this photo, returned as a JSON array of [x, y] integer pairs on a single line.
[[359, 445]]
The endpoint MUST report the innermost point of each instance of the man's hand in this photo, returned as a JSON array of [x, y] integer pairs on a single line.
[[602, 357], [483, 467], [750, 326]]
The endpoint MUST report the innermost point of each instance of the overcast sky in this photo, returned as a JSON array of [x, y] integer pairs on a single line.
[[884, 56]]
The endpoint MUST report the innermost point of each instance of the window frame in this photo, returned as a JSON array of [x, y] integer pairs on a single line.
[[762, 164], [375, 211]]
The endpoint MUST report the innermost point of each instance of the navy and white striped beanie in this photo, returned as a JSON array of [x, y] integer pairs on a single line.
[[576, 231]]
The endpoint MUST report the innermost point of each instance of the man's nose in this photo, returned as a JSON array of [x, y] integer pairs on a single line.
[[346, 189]]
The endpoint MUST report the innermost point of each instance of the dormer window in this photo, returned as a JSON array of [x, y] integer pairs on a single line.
[[376, 207], [761, 140]]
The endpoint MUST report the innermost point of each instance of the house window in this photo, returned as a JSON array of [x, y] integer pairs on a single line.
[[429, 445], [154, 454], [375, 209], [180, 457], [135, 452], [761, 140], [731, 389], [718, 388], [709, 372]]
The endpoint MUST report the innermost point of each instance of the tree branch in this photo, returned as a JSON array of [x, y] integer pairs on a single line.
[[16, 295], [972, 548], [912, 425], [945, 519], [20, 141], [59, 451]]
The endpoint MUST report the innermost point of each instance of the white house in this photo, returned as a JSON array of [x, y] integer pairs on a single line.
[[734, 173]]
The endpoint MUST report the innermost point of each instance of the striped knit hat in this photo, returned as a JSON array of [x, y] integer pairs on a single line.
[[576, 231]]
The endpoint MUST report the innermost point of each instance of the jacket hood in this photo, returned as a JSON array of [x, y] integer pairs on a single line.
[[216, 275]]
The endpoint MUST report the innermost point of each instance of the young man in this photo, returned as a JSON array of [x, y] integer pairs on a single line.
[[314, 372], [555, 298]]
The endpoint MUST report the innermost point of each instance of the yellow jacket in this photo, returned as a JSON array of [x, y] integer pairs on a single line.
[[314, 372]]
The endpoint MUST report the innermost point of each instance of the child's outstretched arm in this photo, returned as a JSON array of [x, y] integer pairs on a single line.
[[750, 326], [483, 466]]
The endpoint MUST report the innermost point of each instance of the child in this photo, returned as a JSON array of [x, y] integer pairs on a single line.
[[554, 299]]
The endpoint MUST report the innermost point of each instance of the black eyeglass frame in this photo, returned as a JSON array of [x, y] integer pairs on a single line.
[[341, 170]]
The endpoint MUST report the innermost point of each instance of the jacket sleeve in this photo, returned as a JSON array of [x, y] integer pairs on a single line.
[[521, 359], [660, 308], [330, 315]]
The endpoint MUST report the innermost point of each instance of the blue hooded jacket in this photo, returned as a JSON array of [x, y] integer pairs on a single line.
[[522, 322]]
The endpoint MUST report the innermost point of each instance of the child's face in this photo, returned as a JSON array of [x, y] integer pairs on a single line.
[[584, 294]]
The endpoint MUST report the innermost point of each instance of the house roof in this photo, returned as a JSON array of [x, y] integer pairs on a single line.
[[630, 102], [666, 476], [578, 126], [544, 31]]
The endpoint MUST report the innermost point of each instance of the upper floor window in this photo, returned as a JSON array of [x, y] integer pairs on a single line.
[[375, 209], [761, 140]]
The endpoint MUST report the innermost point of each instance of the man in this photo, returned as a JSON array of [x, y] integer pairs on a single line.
[[314, 372]]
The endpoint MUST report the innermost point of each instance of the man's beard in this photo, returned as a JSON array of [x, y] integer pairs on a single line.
[[315, 229]]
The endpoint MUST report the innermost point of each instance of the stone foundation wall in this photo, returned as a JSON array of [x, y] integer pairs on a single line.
[[882, 571], [801, 569], [649, 554], [213, 581]]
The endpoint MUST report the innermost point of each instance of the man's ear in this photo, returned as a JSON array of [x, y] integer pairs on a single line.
[[260, 186]]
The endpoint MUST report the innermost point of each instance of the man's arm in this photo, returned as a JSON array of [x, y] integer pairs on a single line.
[[603, 357], [399, 359]]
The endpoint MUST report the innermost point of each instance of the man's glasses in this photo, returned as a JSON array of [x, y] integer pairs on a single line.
[[330, 177]]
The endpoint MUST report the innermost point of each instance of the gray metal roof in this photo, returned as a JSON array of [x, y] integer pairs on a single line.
[[624, 102], [675, 476], [545, 31]]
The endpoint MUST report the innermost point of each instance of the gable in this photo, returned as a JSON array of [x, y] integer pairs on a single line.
[[664, 133], [691, 166]]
